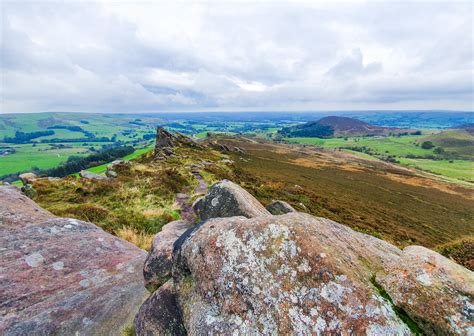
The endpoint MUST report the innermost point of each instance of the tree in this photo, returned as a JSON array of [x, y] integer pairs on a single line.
[[439, 150], [427, 145]]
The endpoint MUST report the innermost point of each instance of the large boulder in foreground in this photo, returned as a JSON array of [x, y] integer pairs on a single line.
[[288, 274], [157, 268], [227, 199], [63, 276], [436, 293]]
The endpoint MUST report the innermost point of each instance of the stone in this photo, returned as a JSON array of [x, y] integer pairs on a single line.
[[433, 290], [165, 141], [115, 166], [157, 268], [288, 274], [92, 176], [227, 199], [27, 178], [62, 276], [279, 208], [159, 314]]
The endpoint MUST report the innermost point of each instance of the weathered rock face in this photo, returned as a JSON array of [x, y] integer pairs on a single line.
[[298, 274], [436, 293], [157, 269], [291, 274], [163, 321], [63, 276], [27, 178], [279, 208], [227, 199], [165, 141], [92, 176]]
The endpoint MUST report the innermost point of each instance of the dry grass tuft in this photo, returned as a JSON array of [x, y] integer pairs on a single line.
[[141, 239]]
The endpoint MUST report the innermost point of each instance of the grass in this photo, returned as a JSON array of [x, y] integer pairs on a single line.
[[461, 251], [133, 206], [458, 169], [400, 147], [41, 156], [392, 204]]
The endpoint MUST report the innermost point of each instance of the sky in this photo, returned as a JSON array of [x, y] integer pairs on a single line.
[[157, 56]]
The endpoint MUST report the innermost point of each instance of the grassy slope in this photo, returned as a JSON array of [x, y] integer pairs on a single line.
[[389, 203], [405, 145], [133, 206]]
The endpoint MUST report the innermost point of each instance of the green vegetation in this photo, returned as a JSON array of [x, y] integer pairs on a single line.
[[401, 313], [76, 164], [133, 206], [411, 151], [369, 196], [461, 251]]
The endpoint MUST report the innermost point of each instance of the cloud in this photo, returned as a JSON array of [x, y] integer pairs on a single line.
[[115, 56]]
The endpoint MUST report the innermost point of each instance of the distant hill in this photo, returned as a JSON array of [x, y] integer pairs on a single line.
[[335, 126], [459, 142], [469, 128]]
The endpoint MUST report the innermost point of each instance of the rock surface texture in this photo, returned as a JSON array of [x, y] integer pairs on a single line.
[[436, 293], [92, 176], [63, 276], [246, 272], [165, 141], [227, 199], [157, 269], [279, 208]]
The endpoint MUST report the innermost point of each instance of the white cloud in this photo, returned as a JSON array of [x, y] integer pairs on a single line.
[[214, 55]]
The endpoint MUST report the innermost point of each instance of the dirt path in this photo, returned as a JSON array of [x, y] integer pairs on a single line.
[[187, 212]]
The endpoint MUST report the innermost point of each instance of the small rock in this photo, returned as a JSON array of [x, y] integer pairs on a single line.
[[92, 176], [279, 208], [27, 178], [227, 199]]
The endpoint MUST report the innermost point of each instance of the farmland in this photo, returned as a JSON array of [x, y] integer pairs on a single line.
[[406, 150]]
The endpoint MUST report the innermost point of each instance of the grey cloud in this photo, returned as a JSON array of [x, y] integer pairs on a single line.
[[147, 56]]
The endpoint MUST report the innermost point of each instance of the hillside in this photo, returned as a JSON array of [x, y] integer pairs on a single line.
[[398, 204], [204, 231], [455, 144], [336, 126]]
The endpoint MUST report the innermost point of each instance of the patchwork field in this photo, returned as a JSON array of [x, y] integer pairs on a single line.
[[407, 150]]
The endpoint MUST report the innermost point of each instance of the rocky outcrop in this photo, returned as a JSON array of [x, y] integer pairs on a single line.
[[92, 176], [165, 141], [63, 276], [289, 274], [227, 199], [157, 269], [436, 293], [279, 208], [298, 274], [27, 178]]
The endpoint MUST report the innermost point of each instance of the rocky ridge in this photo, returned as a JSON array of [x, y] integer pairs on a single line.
[[242, 270]]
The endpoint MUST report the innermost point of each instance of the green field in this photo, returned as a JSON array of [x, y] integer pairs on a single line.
[[41, 156], [102, 168], [459, 169], [400, 147]]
